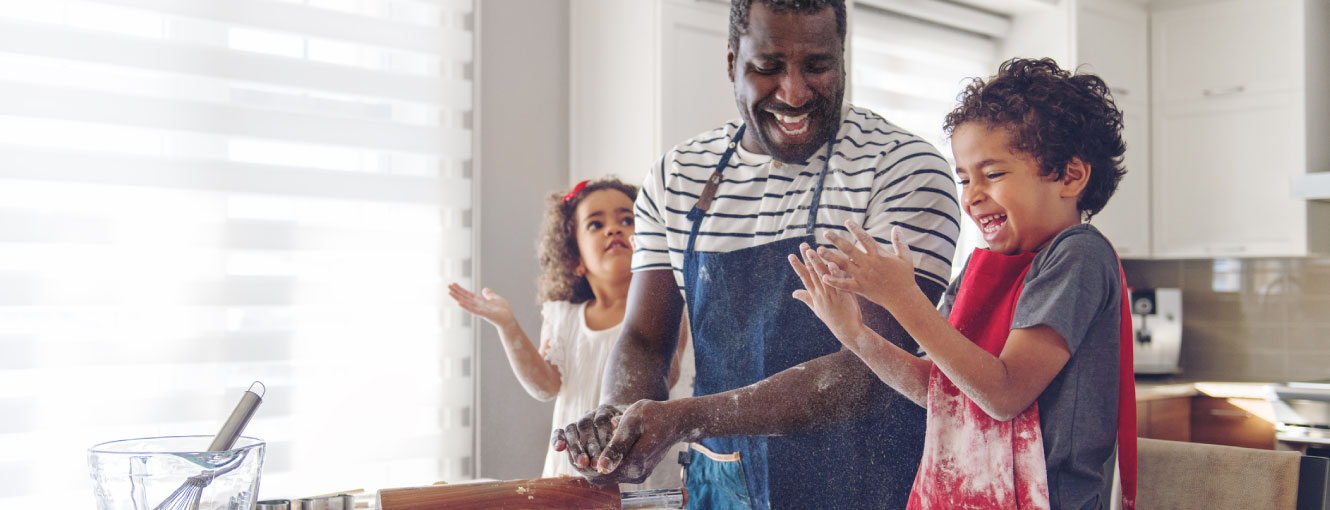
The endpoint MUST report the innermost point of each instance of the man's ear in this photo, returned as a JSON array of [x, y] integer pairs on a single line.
[[729, 61], [1076, 178]]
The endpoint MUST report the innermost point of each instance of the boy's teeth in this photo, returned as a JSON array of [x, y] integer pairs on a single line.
[[990, 222]]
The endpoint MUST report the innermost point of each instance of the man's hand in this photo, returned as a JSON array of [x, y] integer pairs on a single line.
[[881, 274], [611, 444]]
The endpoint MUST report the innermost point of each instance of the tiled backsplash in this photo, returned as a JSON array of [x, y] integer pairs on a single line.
[[1248, 319]]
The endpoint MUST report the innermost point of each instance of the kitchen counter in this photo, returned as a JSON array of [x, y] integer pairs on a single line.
[[1147, 390]]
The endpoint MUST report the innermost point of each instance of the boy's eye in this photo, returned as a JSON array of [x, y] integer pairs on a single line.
[[593, 225], [995, 175], [627, 221], [964, 182]]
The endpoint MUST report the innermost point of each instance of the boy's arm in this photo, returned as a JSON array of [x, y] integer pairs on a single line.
[[840, 311], [1002, 386]]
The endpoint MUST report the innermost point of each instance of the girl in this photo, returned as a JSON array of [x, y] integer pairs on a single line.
[[585, 256], [1028, 368]]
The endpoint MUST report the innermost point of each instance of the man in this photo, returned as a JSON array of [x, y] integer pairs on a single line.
[[782, 417]]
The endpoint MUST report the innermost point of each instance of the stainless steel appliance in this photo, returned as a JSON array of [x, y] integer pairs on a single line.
[[1302, 414], [1156, 318]]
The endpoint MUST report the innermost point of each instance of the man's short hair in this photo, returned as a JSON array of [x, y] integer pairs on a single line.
[[739, 14]]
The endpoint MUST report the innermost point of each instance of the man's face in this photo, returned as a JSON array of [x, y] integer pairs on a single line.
[[789, 80]]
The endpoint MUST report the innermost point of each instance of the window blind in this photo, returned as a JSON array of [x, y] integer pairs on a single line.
[[911, 71], [197, 194]]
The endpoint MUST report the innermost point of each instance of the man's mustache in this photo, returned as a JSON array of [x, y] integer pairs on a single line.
[[817, 104]]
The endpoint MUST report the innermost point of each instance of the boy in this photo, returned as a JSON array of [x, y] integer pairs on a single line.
[[1027, 371]]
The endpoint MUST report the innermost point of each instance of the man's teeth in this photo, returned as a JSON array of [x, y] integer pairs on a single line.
[[785, 120]]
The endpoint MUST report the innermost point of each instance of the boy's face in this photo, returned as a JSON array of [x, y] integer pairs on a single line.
[[604, 226], [1016, 208]]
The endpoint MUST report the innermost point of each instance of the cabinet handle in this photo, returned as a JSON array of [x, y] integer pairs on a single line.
[[1224, 92], [1229, 414], [1119, 91], [1225, 249]]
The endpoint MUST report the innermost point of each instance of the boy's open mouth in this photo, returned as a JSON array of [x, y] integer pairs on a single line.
[[619, 244], [991, 223]]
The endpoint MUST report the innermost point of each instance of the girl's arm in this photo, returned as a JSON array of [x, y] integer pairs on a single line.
[[840, 310], [540, 378], [1002, 386]]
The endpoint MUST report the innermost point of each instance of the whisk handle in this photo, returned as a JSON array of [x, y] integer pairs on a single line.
[[249, 402]]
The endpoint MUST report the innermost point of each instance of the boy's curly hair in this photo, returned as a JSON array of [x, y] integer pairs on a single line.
[[557, 246], [1053, 115]]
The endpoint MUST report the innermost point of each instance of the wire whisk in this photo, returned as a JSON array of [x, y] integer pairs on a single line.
[[187, 497]]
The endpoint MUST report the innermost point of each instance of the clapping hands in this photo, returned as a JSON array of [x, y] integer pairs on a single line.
[[876, 272], [831, 278]]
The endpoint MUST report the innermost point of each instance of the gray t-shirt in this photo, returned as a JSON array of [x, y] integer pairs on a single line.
[[1074, 286]]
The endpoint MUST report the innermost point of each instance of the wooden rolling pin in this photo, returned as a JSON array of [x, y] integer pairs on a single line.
[[537, 494]]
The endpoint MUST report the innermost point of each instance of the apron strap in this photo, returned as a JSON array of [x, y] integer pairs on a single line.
[[708, 195], [1126, 400], [699, 209], [817, 194]]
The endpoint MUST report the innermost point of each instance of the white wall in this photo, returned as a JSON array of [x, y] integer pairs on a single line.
[[523, 102]]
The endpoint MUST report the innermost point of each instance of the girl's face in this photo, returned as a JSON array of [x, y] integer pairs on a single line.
[[604, 227], [1016, 208]]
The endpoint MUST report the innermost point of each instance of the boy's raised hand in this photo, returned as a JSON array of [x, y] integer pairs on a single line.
[[837, 308], [873, 271]]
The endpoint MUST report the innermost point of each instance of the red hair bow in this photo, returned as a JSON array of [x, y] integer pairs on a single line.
[[576, 191]]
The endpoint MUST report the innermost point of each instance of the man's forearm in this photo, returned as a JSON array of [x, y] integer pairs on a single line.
[[823, 391], [634, 372], [827, 390]]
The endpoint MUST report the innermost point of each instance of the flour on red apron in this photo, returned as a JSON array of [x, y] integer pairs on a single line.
[[972, 460]]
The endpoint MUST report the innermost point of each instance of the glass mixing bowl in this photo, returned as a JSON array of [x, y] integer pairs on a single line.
[[142, 474]]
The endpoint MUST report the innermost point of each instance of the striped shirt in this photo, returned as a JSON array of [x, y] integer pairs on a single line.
[[880, 176]]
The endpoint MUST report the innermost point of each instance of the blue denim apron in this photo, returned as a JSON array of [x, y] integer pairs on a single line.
[[746, 327]]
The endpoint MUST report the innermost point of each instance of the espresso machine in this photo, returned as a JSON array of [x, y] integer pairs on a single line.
[[1156, 319]]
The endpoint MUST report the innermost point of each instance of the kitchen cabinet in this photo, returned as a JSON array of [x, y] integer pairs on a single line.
[[1165, 418], [1245, 422], [1112, 41], [644, 75], [1239, 111]]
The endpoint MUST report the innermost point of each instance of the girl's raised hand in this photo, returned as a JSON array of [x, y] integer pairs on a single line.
[[837, 308], [871, 270], [488, 305]]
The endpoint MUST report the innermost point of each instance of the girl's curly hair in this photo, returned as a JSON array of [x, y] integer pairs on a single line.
[[1053, 115], [557, 247]]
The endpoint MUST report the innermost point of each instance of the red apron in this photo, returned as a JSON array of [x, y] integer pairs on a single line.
[[973, 461]]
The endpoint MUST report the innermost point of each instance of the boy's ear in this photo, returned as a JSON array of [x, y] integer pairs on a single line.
[[1075, 179]]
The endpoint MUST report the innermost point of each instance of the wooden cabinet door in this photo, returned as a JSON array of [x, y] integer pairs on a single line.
[[1245, 422], [1167, 418]]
